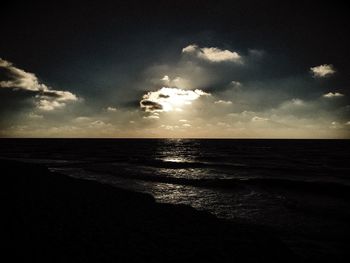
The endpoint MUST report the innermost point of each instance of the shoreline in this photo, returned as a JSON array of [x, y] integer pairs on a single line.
[[58, 218]]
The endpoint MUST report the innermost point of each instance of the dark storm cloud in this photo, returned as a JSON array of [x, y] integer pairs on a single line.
[[163, 96], [149, 106]]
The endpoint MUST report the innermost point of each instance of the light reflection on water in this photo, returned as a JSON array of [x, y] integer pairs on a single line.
[[178, 159], [188, 173], [175, 160], [240, 204], [177, 150], [167, 169]]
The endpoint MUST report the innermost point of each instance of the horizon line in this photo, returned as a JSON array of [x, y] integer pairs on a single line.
[[174, 138]]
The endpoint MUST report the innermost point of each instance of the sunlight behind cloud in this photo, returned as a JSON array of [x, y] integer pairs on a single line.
[[169, 99]]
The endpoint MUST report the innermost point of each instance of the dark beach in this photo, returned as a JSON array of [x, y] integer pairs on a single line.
[[177, 200], [55, 218]]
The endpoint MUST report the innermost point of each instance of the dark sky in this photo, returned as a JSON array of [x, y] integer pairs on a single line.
[[106, 53], [46, 30]]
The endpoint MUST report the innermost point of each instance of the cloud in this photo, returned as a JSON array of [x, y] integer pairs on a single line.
[[257, 119], [46, 98], [166, 78], [111, 109], [49, 105], [330, 95], [151, 117], [58, 95], [223, 102], [212, 54], [169, 127], [236, 83], [335, 125], [169, 99], [203, 93], [149, 106], [35, 116], [99, 124], [176, 82], [81, 119], [322, 71], [292, 104], [19, 79]]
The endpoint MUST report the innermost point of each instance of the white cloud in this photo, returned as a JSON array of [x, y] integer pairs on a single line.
[[20, 79], [169, 99], [330, 95], [4, 63], [236, 83], [176, 82], [322, 71], [100, 124], [212, 54], [169, 127], [166, 78], [49, 105], [111, 109], [47, 98], [223, 102], [151, 117], [190, 49], [62, 95], [257, 119]]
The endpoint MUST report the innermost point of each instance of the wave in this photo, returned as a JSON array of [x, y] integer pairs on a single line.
[[312, 186], [296, 182], [236, 166]]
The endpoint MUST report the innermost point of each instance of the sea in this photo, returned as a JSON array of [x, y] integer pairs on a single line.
[[297, 189]]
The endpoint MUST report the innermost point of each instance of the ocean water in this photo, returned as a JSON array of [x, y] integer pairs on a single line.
[[299, 189]]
